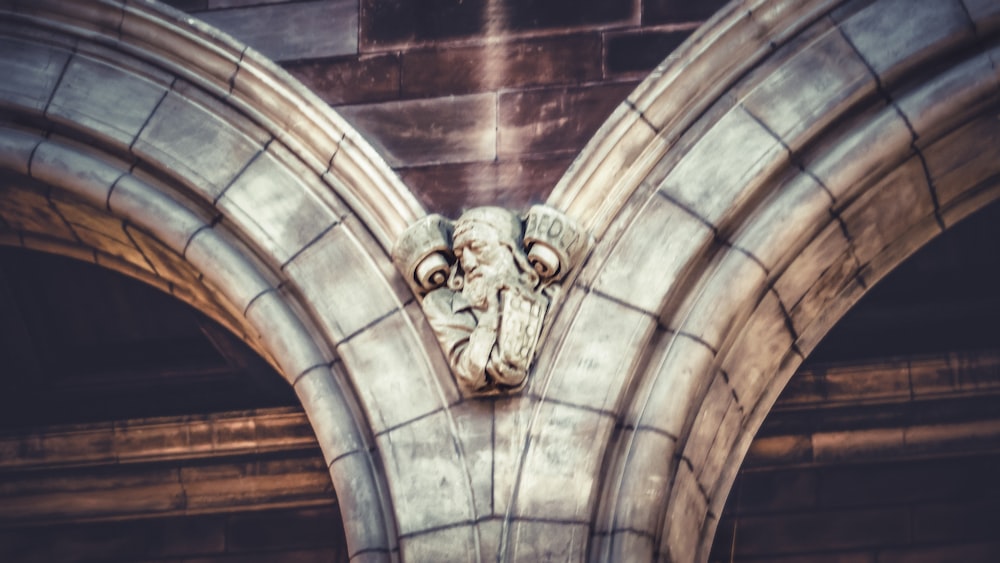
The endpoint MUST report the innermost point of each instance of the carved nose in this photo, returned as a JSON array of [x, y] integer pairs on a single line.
[[469, 261]]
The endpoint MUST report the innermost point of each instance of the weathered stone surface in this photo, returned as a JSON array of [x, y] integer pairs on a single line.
[[277, 204], [567, 59], [592, 366], [554, 120], [432, 483], [547, 541], [336, 259], [515, 184], [412, 133], [807, 91], [210, 253], [637, 501], [362, 510], [477, 433], [557, 480], [709, 190], [371, 78], [400, 388], [895, 36], [294, 30], [672, 387], [107, 99], [205, 141], [668, 238], [886, 210], [32, 72], [447, 544]]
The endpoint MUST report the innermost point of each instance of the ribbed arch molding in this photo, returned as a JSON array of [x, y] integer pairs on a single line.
[[744, 197], [135, 137]]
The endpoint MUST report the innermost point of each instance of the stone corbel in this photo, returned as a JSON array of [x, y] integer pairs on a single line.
[[487, 282]]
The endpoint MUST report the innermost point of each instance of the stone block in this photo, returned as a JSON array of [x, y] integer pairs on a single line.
[[963, 158], [669, 241], [330, 415], [595, 361], [790, 216], [627, 545], [640, 51], [953, 96], [429, 478], [869, 148], [449, 544], [566, 59], [686, 512], [225, 267], [294, 30], [810, 89], [531, 540], [732, 285], [367, 78], [713, 431], [639, 498], [16, 148], [895, 36], [558, 478], [516, 184], [475, 427], [885, 211], [554, 120], [344, 288], [512, 417], [74, 171], [391, 374], [276, 203], [411, 133], [295, 348], [106, 99], [674, 387], [31, 72], [810, 267], [712, 191], [760, 351], [205, 142], [361, 506]]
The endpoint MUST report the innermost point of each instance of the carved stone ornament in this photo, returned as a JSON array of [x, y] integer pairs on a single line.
[[486, 282]]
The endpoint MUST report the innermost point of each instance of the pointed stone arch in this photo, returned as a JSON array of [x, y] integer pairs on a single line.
[[744, 197], [135, 137]]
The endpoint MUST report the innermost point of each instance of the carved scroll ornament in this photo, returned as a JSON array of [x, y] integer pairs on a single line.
[[486, 282]]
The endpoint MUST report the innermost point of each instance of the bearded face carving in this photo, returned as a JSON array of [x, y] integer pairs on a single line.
[[486, 282]]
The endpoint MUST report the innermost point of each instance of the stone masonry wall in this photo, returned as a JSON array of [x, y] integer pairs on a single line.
[[472, 102]]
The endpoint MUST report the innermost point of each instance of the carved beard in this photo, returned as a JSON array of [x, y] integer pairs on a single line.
[[477, 289]]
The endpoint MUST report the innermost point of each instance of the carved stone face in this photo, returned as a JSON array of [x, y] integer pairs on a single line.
[[486, 262]]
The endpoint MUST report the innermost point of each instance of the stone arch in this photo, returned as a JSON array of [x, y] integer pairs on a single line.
[[142, 140], [743, 198]]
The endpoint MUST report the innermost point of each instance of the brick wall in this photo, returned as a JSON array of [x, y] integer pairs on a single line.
[[474, 101]]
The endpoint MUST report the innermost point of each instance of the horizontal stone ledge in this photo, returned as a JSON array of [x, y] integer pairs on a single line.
[[85, 494], [866, 445], [166, 439], [893, 380]]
